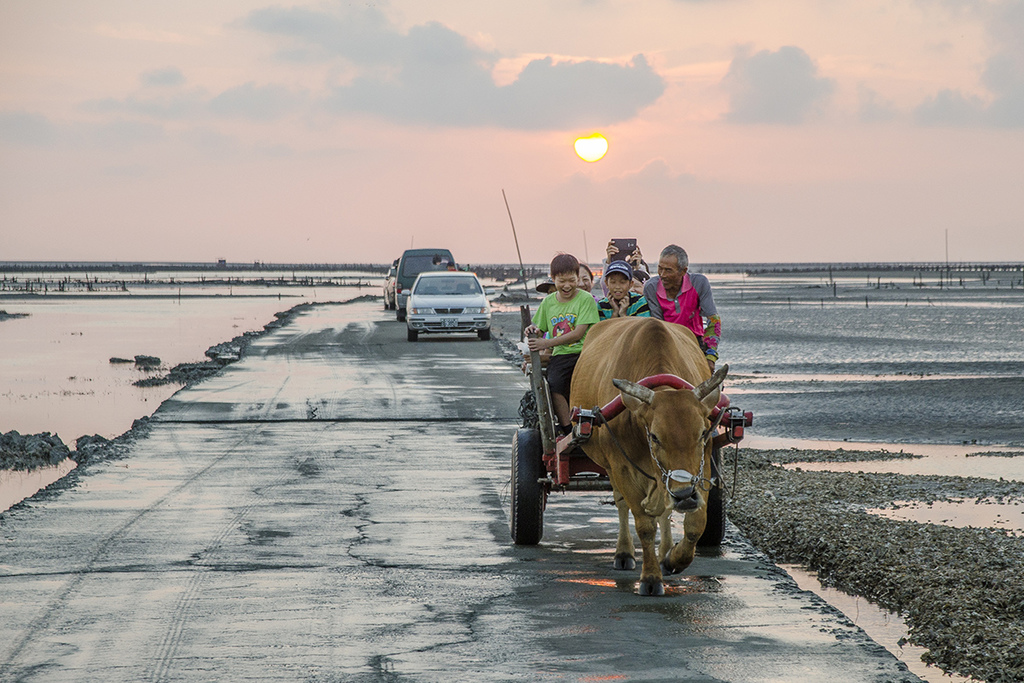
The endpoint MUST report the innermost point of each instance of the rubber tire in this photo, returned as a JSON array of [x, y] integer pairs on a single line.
[[412, 335], [484, 334], [527, 519], [714, 530]]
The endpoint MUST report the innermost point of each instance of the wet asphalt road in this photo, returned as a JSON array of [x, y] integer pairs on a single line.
[[332, 508]]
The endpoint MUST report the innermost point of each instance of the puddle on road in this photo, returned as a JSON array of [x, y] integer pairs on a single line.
[[885, 628]]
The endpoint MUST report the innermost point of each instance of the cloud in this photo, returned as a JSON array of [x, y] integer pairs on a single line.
[[434, 75], [1002, 77], [168, 105], [127, 134], [363, 36], [950, 108], [247, 101], [27, 129], [168, 76], [775, 87], [261, 103], [873, 109]]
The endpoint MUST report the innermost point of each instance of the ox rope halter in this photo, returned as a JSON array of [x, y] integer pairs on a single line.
[[682, 475], [677, 475], [604, 421]]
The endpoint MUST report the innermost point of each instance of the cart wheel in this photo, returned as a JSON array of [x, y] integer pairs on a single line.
[[527, 519], [714, 531], [411, 334], [484, 334]]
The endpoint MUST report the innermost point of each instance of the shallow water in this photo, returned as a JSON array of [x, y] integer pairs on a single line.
[[967, 512], [57, 375], [884, 627], [16, 485], [949, 464]]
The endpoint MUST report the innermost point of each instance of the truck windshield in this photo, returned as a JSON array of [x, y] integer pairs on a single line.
[[415, 264]]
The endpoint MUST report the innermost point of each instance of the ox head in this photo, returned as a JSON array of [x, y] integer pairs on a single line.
[[676, 421]]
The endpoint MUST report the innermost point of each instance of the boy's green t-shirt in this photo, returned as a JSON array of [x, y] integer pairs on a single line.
[[557, 318]]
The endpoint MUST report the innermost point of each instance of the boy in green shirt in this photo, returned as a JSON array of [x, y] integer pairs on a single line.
[[564, 315]]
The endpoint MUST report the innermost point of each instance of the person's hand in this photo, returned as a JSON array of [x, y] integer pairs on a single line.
[[621, 307], [535, 343], [531, 331], [611, 250], [711, 365], [636, 258]]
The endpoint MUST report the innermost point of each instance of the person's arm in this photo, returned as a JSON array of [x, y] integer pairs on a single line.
[[651, 294], [713, 328], [568, 338], [636, 260], [610, 251]]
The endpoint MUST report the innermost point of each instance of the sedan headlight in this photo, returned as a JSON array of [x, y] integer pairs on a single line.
[[421, 311], [473, 311]]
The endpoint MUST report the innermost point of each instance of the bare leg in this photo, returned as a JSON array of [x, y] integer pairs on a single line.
[[561, 406]]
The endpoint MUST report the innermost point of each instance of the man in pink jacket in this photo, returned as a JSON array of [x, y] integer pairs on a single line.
[[678, 296]]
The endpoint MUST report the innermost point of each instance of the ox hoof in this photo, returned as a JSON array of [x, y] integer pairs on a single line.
[[651, 587], [666, 568], [625, 562]]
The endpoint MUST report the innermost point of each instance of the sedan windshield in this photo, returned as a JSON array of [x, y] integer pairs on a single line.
[[447, 285]]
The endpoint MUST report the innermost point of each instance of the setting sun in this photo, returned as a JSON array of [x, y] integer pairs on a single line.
[[592, 147]]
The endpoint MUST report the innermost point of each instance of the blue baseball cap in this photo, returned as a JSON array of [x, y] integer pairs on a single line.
[[619, 267]]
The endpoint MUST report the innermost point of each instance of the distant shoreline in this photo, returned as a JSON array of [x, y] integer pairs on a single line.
[[141, 267]]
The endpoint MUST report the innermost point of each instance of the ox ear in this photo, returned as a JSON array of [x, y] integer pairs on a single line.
[[709, 390], [634, 396]]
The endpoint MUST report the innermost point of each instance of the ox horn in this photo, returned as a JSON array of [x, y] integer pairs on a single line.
[[707, 386], [637, 391]]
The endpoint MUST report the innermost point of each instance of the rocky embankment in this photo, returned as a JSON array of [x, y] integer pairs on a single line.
[[32, 451], [959, 589]]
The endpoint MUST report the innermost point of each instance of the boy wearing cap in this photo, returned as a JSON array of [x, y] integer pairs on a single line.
[[621, 302]]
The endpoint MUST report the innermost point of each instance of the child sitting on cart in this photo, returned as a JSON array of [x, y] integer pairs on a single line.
[[621, 301], [565, 315]]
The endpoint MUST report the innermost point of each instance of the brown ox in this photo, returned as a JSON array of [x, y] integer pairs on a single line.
[[660, 433]]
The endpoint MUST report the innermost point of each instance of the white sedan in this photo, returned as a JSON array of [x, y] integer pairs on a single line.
[[447, 301]]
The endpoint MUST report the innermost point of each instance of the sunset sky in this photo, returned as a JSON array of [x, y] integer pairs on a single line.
[[742, 130]]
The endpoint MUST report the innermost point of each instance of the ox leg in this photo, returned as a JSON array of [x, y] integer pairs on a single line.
[[693, 527], [625, 554], [665, 542], [650, 573]]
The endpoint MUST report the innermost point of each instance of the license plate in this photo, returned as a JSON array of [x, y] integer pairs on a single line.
[[449, 322]]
